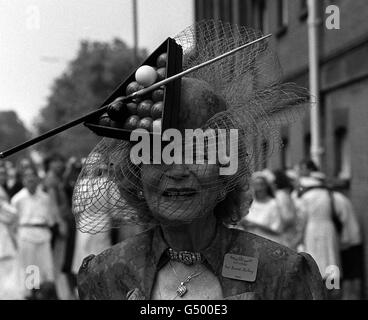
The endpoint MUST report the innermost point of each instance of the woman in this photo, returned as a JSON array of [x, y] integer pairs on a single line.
[[36, 215], [8, 254], [188, 252], [264, 217], [291, 224]]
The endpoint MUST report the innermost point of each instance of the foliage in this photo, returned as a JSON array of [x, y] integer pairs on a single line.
[[12, 132]]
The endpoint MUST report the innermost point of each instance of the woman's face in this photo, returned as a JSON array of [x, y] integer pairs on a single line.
[[3, 176], [180, 192]]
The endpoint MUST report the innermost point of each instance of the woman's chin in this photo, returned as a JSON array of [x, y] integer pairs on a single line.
[[178, 215]]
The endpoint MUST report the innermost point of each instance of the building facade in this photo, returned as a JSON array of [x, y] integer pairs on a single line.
[[343, 84]]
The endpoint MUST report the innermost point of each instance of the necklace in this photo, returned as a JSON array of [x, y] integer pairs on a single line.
[[182, 289]]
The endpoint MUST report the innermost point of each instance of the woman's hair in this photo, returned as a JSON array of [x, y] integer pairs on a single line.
[[50, 158], [31, 168], [229, 210], [282, 181], [269, 190], [309, 164]]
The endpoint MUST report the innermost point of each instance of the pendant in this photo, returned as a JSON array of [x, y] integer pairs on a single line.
[[181, 290]]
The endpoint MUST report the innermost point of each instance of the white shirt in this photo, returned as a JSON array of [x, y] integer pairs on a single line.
[[34, 209], [265, 214], [7, 216]]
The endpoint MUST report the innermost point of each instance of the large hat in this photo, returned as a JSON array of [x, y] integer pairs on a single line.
[[241, 92]]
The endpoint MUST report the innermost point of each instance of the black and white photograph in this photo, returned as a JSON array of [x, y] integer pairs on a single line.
[[185, 150]]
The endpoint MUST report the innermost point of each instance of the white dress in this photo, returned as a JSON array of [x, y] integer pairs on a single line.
[[320, 236], [7, 216], [34, 243], [9, 281], [291, 233]]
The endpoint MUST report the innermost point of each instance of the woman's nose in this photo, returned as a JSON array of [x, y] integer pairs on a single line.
[[177, 171]]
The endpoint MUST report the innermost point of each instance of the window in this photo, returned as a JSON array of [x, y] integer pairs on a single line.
[[208, 9], [259, 15], [303, 10], [226, 10], [307, 145], [282, 16], [244, 13], [342, 149]]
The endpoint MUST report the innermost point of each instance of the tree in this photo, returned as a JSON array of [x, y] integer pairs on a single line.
[[12, 132], [89, 79]]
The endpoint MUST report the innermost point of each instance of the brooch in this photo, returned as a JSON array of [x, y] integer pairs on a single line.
[[186, 257]]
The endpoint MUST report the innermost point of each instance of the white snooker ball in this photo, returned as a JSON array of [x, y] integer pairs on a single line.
[[146, 76], [157, 126]]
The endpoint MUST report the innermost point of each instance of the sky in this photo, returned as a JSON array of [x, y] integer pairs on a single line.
[[39, 37]]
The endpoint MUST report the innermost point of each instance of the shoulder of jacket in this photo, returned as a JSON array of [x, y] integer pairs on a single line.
[[265, 250], [120, 252]]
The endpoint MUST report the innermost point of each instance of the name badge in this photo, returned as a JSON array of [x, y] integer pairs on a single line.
[[240, 267]]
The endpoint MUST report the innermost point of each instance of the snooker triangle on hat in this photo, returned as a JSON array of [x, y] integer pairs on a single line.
[[159, 108]]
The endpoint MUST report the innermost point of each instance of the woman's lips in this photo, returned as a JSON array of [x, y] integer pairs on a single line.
[[179, 193]]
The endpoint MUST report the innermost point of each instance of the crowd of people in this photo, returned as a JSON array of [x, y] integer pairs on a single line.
[[296, 208], [301, 210], [40, 249]]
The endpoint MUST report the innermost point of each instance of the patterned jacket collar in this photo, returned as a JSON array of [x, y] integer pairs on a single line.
[[213, 254]]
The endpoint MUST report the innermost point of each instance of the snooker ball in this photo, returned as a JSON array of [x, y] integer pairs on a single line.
[[146, 75], [116, 124], [157, 125], [133, 87], [145, 123], [144, 108], [132, 107], [156, 110], [116, 109], [161, 60], [158, 95], [131, 123], [161, 73], [104, 120]]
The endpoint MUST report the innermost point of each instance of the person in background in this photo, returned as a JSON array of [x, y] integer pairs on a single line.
[[73, 168], [9, 287], [36, 215], [53, 184], [283, 189], [351, 246], [264, 217], [320, 236], [306, 167], [330, 227], [4, 190], [16, 184]]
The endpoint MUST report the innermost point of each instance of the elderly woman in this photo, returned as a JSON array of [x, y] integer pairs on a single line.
[[187, 252]]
